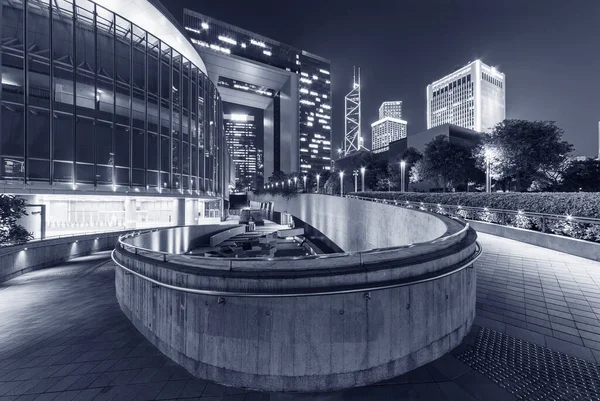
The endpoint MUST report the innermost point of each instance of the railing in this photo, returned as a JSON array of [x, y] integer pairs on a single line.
[[585, 228], [165, 256], [48, 238], [366, 288]]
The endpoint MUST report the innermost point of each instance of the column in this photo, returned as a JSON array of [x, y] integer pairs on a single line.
[[130, 213], [180, 212]]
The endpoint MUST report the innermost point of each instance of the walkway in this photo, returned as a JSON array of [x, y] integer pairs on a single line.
[[63, 337]]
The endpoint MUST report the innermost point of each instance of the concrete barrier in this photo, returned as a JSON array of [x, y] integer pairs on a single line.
[[19, 259], [572, 246], [178, 240], [225, 235], [354, 225], [312, 323]]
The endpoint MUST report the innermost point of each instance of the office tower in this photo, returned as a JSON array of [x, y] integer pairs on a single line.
[[353, 140], [124, 129], [292, 86], [240, 135], [390, 109], [390, 126], [471, 97]]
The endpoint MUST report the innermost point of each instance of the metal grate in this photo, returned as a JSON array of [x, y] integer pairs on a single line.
[[532, 372]]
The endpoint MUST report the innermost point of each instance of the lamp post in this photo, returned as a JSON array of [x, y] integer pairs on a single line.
[[304, 179], [355, 174], [318, 177], [489, 153], [402, 169], [289, 183], [362, 179], [341, 183], [295, 181]]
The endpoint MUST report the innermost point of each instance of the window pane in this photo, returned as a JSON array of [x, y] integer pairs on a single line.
[[39, 133], [63, 134]]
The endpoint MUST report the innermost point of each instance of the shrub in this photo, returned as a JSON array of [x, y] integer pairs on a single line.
[[581, 204]]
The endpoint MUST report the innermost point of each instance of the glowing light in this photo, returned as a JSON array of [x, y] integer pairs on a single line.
[[239, 117], [324, 72], [227, 40], [204, 25], [267, 52], [257, 43]]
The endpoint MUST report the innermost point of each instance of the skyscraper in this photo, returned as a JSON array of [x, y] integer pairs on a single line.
[[240, 135], [390, 126], [292, 86], [390, 109], [471, 97]]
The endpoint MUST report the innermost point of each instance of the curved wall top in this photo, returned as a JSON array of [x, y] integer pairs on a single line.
[[356, 225], [151, 16]]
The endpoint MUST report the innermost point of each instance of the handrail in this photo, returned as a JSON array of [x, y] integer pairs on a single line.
[[576, 219], [137, 249], [345, 290]]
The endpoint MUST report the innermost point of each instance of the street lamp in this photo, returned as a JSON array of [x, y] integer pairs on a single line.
[[289, 182], [489, 154], [318, 177], [402, 169], [277, 184], [340, 151], [295, 181], [341, 183], [355, 174], [304, 179], [362, 179]]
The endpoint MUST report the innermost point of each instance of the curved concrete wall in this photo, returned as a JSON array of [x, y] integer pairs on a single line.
[[177, 240], [357, 225], [343, 334], [19, 259]]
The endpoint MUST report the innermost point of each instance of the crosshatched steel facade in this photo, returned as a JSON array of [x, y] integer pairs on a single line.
[[90, 100]]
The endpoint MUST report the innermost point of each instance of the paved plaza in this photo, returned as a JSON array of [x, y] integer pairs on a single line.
[[63, 337]]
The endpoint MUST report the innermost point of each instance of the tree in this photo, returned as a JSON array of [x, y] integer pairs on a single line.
[[524, 151], [410, 157], [582, 176], [12, 209], [447, 163]]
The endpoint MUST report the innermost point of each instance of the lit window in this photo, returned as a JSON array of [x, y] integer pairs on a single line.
[[227, 40]]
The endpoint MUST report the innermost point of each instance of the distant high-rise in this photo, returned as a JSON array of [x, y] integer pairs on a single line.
[[390, 126], [240, 135], [390, 109], [291, 86], [472, 97]]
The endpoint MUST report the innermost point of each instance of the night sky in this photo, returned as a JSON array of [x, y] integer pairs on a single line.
[[548, 49]]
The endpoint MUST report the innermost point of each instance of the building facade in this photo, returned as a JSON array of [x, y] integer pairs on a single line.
[[108, 118], [390, 126], [291, 85], [471, 97], [390, 109], [240, 135]]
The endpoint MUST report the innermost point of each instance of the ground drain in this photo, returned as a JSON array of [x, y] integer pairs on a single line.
[[532, 372]]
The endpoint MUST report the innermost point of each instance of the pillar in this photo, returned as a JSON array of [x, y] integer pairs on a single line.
[[180, 212], [130, 213]]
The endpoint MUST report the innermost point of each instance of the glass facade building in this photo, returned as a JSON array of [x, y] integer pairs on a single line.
[[314, 89], [90, 101], [240, 134]]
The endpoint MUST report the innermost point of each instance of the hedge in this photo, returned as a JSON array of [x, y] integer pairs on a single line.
[[580, 204]]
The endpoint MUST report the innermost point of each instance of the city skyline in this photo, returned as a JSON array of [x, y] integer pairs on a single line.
[[511, 36]]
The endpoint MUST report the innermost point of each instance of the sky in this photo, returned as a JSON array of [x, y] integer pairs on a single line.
[[549, 51]]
